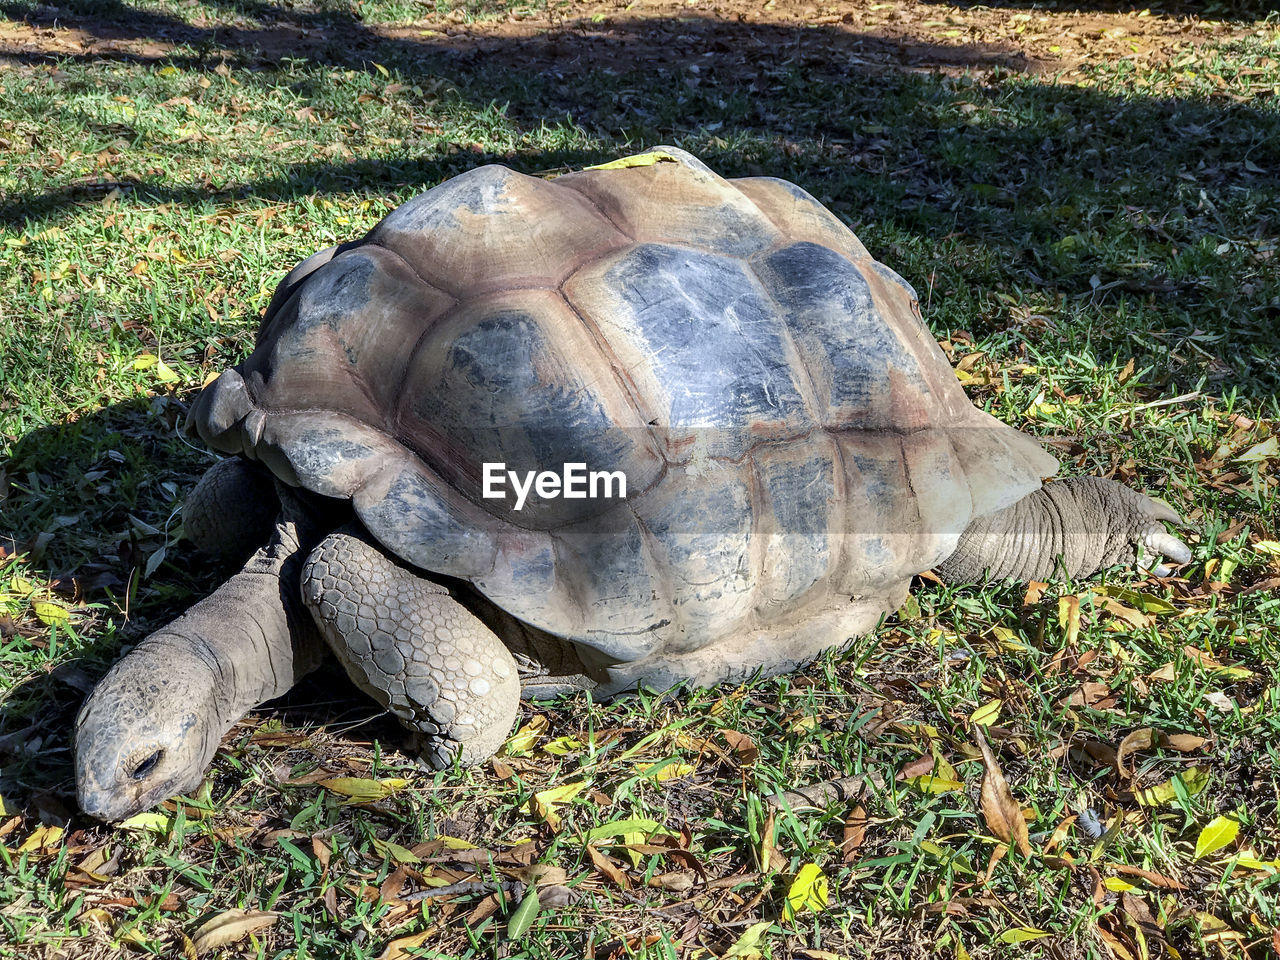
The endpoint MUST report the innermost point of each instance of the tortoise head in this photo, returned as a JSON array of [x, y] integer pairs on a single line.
[[144, 734]]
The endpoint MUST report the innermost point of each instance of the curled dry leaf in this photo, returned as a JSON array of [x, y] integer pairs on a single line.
[[999, 809], [855, 833], [231, 926]]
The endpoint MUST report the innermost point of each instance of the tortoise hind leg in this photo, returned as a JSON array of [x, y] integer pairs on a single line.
[[411, 646]]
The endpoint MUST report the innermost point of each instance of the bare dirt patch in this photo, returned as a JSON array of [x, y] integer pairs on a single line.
[[731, 35]]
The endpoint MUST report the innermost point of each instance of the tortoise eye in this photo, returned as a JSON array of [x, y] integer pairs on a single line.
[[145, 767]]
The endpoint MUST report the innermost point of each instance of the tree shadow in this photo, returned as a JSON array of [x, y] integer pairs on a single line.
[[1020, 182], [1229, 10], [92, 501]]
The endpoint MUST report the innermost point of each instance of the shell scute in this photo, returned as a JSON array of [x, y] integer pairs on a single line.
[[492, 229], [851, 353], [700, 524], [339, 342], [799, 216], [703, 345], [677, 202], [516, 379]]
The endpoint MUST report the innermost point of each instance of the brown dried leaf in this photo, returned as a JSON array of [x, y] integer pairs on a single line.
[[999, 809], [855, 833], [1153, 878], [677, 881], [742, 745], [231, 926], [608, 867], [1144, 738]]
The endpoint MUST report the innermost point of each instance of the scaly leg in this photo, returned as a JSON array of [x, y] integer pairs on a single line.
[[411, 646]]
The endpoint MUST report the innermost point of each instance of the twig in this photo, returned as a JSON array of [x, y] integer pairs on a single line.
[[819, 796], [512, 887]]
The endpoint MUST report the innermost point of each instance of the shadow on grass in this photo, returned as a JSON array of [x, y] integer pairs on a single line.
[[1238, 10], [1151, 214], [91, 501]]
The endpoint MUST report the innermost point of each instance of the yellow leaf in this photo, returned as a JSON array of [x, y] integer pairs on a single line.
[[395, 851], [808, 891], [381, 69], [1069, 616], [155, 822], [164, 373], [1194, 779], [145, 361], [1023, 934], [42, 838], [360, 790], [544, 802], [1269, 548], [667, 771], [638, 160], [1146, 602], [1116, 885], [1008, 640], [986, 714], [49, 612], [1267, 450], [523, 740], [455, 843], [563, 746], [1219, 832], [231, 926], [931, 784], [747, 946], [1253, 863], [398, 949]]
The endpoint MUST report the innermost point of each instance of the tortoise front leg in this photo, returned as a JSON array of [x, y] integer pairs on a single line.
[[410, 645], [231, 510]]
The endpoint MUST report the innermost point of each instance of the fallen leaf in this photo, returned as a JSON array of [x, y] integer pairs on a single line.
[[1069, 616], [808, 891], [1023, 934], [742, 745], [231, 926], [999, 809], [395, 851], [1266, 450], [1218, 833], [524, 915], [986, 714], [607, 866], [398, 949], [361, 790], [933, 785], [544, 802], [747, 946], [524, 739], [44, 837], [1193, 780], [855, 833], [666, 771]]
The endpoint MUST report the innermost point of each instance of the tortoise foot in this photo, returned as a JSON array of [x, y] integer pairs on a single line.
[[410, 645]]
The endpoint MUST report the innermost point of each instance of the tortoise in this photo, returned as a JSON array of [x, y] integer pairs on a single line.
[[794, 445]]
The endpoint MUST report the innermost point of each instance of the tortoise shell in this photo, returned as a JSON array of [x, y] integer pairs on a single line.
[[788, 428]]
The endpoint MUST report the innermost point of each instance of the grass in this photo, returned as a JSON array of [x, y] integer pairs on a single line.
[[1097, 253]]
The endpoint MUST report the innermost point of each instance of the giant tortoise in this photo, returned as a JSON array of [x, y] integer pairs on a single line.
[[794, 448]]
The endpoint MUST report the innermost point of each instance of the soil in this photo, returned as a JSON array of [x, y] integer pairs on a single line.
[[867, 34]]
